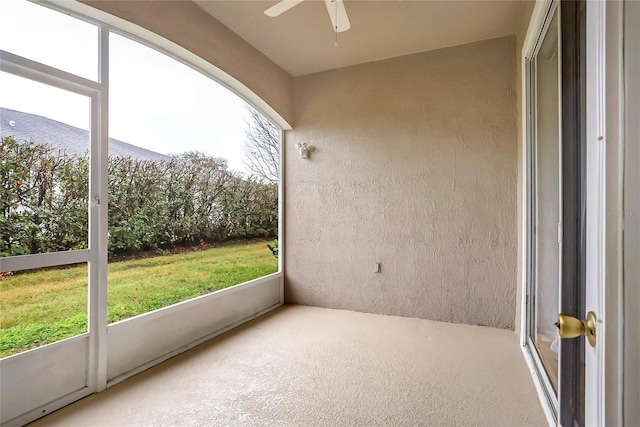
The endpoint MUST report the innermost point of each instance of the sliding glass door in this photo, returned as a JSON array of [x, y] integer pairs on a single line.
[[556, 182]]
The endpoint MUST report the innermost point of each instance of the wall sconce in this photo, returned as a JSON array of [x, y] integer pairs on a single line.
[[304, 149]]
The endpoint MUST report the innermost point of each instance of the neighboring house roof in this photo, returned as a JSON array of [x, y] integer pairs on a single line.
[[61, 136]]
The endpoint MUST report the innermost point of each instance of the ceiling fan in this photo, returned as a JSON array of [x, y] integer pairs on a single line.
[[337, 12]]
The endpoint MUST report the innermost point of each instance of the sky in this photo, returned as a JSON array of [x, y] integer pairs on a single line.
[[155, 102]]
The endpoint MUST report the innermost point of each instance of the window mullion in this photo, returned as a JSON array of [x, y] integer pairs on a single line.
[[98, 222], [49, 259], [27, 68]]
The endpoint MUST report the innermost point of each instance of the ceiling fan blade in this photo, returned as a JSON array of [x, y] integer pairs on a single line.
[[281, 7], [340, 22]]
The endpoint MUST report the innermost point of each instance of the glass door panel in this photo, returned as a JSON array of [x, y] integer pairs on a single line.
[[49, 233], [546, 205], [44, 192]]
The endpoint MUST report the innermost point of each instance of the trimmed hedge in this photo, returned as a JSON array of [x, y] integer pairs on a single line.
[[191, 199]]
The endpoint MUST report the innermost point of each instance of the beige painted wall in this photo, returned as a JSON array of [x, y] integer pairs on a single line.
[[185, 24], [414, 166]]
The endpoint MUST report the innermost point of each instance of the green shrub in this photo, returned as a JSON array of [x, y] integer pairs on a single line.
[[192, 198]]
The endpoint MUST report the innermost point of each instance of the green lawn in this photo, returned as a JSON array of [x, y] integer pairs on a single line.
[[49, 305]]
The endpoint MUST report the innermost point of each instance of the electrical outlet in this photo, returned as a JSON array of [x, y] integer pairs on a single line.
[[377, 267]]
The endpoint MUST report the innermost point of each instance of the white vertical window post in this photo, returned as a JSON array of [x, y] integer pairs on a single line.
[[98, 222]]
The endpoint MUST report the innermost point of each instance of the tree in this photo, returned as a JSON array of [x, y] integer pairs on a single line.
[[261, 147]]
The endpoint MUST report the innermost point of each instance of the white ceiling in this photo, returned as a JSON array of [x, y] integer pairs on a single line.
[[301, 40]]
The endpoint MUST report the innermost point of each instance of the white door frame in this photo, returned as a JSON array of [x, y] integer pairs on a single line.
[[605, 210], [595, 211], [605, 138]]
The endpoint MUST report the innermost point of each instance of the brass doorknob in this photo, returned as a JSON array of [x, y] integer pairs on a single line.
[[570, 327]]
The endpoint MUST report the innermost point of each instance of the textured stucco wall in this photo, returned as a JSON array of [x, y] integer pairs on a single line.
[[185, 24], [414, 166]]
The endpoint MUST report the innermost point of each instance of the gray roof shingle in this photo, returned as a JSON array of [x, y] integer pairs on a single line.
[[61, 136]]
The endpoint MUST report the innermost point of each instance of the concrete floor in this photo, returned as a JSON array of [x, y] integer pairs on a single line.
[[306, 366]]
